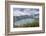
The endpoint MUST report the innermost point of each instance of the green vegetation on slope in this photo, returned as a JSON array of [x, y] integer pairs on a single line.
[[33, 24]]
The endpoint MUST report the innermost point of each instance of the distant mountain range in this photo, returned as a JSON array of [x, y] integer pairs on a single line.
[[17, 18]]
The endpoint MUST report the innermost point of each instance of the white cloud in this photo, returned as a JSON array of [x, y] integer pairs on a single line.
[[19, 13], [25, 12]]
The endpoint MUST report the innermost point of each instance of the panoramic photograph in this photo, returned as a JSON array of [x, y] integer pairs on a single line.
[[25, 17]]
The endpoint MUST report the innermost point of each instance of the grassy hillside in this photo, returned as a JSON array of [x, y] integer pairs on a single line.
[[33, 24]]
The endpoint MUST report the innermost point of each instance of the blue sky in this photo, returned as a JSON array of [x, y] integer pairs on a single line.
[[25, 11]]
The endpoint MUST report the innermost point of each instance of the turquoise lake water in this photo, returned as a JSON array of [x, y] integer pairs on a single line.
[[24, 21]]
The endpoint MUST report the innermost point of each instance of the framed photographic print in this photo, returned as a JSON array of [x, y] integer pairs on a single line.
[[24, 18]]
